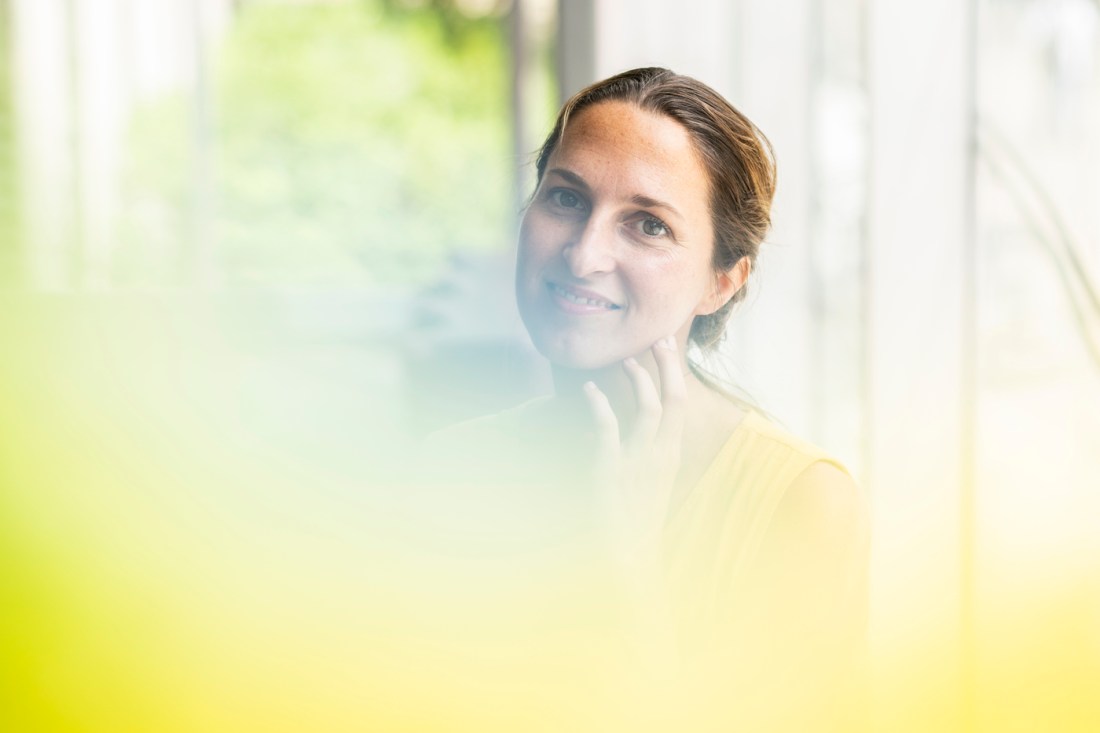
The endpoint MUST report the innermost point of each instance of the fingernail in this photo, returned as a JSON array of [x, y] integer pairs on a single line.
[[589, 386], [669, 343], [630, 361]]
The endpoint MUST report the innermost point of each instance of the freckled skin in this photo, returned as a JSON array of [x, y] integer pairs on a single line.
[[622, 213]]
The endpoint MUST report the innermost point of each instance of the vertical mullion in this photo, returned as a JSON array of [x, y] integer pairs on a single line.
[[919, 220], [968, 509]]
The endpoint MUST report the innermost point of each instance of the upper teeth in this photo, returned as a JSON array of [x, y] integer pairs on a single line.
[[581, 300]]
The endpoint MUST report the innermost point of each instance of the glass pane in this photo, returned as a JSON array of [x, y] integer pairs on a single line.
[[1038, 463]]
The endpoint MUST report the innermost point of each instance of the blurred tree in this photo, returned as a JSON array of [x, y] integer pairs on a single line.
[[457, 17], [354, 142]]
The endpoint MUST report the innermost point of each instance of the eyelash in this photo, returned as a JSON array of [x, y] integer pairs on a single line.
[[666, 232], [555, 195]]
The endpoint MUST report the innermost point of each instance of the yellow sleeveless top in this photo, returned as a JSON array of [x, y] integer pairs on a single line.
[[714, 535], [741, 650]]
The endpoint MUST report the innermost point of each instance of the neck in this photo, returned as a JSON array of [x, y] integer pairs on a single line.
[[614, 382], [709, 417]]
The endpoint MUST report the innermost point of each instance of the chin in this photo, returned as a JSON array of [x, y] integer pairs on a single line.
[[576, 347], [585, 363], [566, 353]]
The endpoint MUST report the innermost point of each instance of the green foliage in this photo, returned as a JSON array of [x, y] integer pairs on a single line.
[[357, 144], [155, 228]]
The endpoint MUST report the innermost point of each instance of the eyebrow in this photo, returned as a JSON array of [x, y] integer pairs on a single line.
[[642, 200], [571, 177], [648, 203]]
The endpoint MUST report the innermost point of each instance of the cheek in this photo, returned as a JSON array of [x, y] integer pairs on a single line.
[[534, 242], [672, 286]]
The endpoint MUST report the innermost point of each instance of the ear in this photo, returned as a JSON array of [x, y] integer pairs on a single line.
[[726, 285]]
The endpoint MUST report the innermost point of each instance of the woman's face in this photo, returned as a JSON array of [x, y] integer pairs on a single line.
[[615, 249]]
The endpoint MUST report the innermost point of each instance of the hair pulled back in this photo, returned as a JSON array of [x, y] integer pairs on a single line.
[[738, 158]]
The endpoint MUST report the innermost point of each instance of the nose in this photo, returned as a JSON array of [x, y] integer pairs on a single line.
[[591, 251]]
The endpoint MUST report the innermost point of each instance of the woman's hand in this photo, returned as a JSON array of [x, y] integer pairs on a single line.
[[635, 473], [634, 478]]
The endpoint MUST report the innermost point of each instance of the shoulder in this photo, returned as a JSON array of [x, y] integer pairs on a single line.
[[777, 468], [819, 540], [823, 501], [764, 431], [820, 517]]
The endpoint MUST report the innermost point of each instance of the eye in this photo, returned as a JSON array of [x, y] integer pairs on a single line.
[[566, 199], [654, 227]]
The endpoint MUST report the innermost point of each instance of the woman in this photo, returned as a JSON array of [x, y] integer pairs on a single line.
[[734, 539]]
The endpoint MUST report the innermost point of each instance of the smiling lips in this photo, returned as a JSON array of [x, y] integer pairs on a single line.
[[578, 300]]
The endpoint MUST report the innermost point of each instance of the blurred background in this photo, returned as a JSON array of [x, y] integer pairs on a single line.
[[252, 250]]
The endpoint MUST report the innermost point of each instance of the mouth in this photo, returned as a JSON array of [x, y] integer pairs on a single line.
[[579, 298]]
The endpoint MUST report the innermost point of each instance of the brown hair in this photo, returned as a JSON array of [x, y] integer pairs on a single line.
[[738, 158]]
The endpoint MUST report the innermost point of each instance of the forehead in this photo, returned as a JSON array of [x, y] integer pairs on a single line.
[[618, 145]]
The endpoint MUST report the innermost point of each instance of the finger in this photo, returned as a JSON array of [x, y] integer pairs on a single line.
[[608, 448], [648, 401], [673, 392]]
